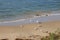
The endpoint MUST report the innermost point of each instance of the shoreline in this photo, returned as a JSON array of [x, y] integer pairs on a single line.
[[30, 18], [35, 19], [29, 31]]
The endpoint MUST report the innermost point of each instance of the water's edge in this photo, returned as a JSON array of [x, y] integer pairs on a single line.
[[35, 19]]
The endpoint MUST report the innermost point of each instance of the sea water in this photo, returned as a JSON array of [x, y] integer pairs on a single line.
[[15, 9]]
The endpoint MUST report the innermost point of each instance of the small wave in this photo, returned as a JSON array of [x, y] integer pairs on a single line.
[[29, 18], [13, 21]]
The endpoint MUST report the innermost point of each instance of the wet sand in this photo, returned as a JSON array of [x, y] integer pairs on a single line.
[[35, 19], [30, 31]]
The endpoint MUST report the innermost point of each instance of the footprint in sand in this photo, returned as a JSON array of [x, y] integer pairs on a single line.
[[37, 28], [35, 36], [39, 25], [21, 26]]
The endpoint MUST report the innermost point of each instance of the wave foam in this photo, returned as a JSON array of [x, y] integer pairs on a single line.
[[30, 18]]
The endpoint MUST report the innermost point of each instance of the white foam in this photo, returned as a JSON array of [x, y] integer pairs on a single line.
[[13, 21], [30, 18]]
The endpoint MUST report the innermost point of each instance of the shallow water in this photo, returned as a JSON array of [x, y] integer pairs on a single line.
[[15, 9], [32, 20]]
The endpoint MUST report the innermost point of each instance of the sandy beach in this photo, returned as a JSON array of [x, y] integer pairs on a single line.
[[29, 31], [29, 19]]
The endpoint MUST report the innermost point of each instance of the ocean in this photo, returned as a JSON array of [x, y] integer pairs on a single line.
[[19, 9]]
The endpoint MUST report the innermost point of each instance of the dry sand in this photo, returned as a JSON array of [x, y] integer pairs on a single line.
[[33, 31]]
